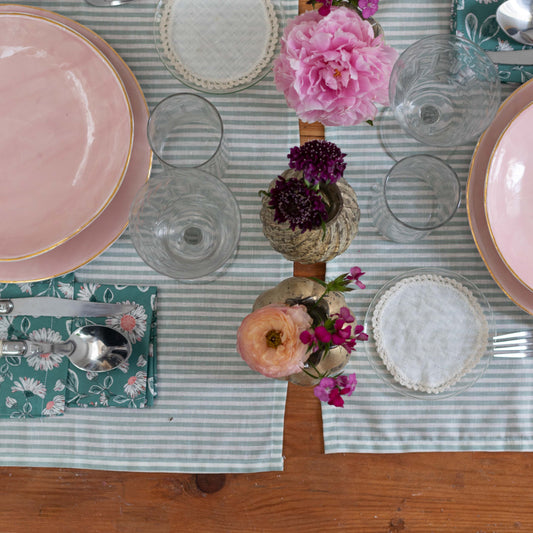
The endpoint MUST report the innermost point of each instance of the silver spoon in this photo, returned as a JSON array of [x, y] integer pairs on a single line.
[[95, 348], [515, 18]]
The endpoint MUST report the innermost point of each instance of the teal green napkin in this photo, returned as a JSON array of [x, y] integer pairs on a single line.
[[476, 20], [46, 384]]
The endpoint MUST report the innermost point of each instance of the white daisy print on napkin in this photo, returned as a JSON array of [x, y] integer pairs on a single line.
[[132, 324]]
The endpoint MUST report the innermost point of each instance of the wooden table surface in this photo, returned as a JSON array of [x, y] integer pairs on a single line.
[[414, 492]]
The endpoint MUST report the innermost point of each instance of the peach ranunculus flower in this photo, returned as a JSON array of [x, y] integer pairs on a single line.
[[269, 339]]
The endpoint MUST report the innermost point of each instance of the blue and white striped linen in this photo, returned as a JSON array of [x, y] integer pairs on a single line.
[[212, 414], [496, 413]]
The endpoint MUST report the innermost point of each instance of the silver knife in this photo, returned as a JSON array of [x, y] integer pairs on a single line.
[[59, 307], [512, 57]]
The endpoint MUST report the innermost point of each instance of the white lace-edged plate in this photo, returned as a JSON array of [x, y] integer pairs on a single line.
[[430, 331], [197, 41]]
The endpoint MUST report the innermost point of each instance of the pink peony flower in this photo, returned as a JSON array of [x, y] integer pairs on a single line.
[[269, 339], [332, 69]]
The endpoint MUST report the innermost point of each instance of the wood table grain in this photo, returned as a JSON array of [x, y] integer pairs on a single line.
[[414, 492]]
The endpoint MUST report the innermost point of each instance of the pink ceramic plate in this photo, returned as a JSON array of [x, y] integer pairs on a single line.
[[65, 136], [111, 223], [513, 288], [509, 196]]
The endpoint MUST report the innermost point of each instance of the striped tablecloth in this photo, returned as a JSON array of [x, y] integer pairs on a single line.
[[212, 414], [496, 413]]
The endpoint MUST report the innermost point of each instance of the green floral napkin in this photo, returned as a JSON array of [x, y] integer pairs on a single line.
[[45, 384], [476, 20]]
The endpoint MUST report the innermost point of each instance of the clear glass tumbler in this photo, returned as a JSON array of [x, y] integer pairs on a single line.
[[186, 131], [185, 225], [418, 195], [444, 90]]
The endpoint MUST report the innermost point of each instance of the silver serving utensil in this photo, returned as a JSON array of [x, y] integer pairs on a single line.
[[95, 348], [51, 306], [512, 57], [515, 18], [107, 3]]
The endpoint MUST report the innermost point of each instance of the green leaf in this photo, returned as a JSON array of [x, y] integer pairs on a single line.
[[13, 360], [25, 325], [121, 399], [108, 295], [73, 383]]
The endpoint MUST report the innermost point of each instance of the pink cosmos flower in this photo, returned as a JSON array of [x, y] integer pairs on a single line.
[[325, 8], [346, 315], [368, 7], [354, 275], [332, 69], [331, 390], [269, 339]]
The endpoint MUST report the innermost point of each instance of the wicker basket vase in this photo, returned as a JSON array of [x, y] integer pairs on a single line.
[[297, 290], [315, 246]]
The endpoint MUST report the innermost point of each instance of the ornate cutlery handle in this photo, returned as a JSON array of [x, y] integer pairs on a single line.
[[6, 306], [13, 347], [26, 348]]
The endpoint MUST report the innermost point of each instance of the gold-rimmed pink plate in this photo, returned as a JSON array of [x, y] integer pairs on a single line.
[[510, 285], [65, 136], [509, 196], [99, 235]]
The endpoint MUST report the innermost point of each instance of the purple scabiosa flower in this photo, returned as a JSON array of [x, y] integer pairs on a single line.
[[321, 161], [295, 203]]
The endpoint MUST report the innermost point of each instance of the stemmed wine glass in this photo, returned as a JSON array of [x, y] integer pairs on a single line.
[[444, 91], [186, 223]]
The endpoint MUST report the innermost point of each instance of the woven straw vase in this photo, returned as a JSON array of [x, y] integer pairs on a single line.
[[313, 246]]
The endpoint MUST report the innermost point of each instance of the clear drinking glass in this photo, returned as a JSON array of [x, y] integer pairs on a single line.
[[419, 194], [444, 91], [186, 224], [186, 131]]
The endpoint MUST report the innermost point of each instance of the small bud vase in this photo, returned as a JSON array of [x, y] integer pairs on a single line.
[[316, 245], [296, 290]]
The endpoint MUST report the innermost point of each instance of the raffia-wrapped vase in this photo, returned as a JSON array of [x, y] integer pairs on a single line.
[[293, 291], [315, 246]]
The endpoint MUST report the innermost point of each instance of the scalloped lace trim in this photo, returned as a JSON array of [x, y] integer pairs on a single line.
[[403, 367], [190, 74]]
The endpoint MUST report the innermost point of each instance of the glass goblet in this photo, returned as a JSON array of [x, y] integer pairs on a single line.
[[185, 225], [418, 195], [444, 91]]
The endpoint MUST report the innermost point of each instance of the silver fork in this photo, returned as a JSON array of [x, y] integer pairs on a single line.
[[516, 345]]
